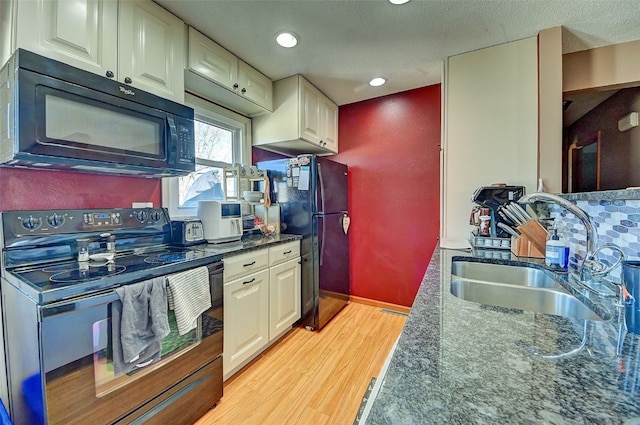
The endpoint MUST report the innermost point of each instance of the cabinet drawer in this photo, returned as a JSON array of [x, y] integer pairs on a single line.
[[281, 253], [243, 264]]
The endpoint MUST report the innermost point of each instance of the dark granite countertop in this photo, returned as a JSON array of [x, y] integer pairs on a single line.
[[460, 362], [248, 243]]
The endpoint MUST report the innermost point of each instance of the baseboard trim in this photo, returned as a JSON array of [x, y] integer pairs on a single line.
[[381, 304]]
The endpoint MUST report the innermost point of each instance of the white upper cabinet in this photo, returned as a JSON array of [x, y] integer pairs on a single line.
[[329, 121], [81, 33], [212, 60], [304, 120], [236, 84], [255, 86], [151, 49], [135, 42]]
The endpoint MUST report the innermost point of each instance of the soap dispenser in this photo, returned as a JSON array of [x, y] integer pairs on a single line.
[[556, 252]]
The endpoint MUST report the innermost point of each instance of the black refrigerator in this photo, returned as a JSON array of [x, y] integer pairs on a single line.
[[312, 194]]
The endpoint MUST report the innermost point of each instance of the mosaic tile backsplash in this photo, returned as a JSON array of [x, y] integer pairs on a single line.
[[616, 219]]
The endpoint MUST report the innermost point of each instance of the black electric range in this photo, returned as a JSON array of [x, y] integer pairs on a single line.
[[40, 250]]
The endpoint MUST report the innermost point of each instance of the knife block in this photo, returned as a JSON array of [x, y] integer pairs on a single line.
[[532, 241], [522, 247]]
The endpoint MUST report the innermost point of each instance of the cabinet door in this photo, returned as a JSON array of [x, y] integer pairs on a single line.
[[151, 49], [329, 120], [310, 99], [488, 74], [212, 61], [81, 33], [255, 86], [284, 297], [246, 324]]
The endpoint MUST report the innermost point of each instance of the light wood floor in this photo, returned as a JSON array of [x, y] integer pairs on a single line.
[[311, 378]]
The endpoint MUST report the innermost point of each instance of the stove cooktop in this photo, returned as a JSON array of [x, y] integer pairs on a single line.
[[53, 282]]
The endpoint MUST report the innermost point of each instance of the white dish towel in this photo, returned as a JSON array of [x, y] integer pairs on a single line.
[[189, 296]]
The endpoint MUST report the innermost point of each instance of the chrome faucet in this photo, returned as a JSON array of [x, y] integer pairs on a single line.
[[591, 272], [592, 234], [590, 269]]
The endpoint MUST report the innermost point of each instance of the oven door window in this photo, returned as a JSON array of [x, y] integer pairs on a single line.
[[109, 370]]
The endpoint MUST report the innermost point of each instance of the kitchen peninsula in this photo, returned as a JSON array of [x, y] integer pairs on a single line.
[[462, 362]]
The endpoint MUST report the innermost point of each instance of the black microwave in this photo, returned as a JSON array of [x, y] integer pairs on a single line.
[[61, 117]]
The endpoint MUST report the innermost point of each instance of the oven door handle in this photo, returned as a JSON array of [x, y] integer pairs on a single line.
[[67, 306], [147, 363]]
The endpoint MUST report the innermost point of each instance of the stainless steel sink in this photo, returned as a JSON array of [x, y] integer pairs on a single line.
[[506, 274], [517, 287]]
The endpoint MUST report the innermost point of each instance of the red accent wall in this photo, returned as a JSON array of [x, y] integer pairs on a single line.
[[24, 189], [392, 147]]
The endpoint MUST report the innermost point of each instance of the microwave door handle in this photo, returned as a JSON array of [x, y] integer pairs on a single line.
[[173, 135]]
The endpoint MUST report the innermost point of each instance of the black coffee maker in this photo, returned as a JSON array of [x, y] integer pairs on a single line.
[[493, 197]]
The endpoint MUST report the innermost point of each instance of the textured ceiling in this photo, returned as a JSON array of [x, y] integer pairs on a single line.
[[344, 43]]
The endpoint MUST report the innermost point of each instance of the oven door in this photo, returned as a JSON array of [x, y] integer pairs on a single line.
[[81, 380]]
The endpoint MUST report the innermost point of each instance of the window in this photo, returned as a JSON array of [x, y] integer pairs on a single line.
[[222, 138]]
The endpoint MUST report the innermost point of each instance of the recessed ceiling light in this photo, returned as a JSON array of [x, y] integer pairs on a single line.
[[378, 81], [286, 39], [399, 1]]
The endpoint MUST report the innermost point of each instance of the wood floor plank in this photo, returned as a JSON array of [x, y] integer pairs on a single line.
[[311, 377]]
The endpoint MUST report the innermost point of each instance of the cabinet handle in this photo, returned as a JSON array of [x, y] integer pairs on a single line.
[[249, 281], [128, 80], [287, 252], [109, 74], [235, 86], [250, 264], [243, 90]]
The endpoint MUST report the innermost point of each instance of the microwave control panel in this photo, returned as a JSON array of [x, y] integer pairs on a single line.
[[186, 144]]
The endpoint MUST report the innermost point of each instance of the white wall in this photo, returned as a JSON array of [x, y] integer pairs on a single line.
[[550, 108], [491, 128]]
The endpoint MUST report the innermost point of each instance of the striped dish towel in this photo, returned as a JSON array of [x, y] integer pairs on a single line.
[[189, 296]]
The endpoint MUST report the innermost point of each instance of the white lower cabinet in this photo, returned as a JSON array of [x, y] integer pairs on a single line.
[[246, 332], [261, 301], [284, 297]]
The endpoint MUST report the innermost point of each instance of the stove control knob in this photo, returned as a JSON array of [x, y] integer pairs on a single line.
[[31, 223], [55, 220], [155, 216], [142, 216]]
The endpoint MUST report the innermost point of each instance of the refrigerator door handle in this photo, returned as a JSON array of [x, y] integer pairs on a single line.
[[324, 234], [321, 181]]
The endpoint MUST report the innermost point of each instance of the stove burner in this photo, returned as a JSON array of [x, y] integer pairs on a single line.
[[57, 269], [150, 250], [172, 257], [85, 274]]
